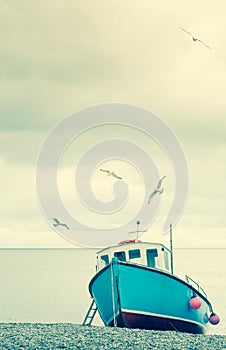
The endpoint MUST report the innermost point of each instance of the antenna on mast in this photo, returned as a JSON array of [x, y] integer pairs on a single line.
[[171, 248], [137, 230]]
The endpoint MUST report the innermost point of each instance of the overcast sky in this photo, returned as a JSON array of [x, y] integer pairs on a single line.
[[60, 56]]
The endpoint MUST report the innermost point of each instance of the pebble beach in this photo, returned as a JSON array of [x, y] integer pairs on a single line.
[[20, 336]]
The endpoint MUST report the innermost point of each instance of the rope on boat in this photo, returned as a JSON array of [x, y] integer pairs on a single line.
[[113, 296]]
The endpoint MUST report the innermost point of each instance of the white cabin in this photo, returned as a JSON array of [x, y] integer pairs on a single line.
[[153, 255]]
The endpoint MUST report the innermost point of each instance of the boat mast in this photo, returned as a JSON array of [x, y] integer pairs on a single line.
[[137, 230], [171, 248], [138, 224]]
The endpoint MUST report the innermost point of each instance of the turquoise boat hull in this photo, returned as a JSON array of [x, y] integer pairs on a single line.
[[136, 296]]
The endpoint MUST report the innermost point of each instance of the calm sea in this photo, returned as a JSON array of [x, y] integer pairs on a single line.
[[51, 285]]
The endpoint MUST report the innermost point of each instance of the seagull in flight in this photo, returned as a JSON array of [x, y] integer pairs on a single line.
[[195, 39], [58, 223], [111, 173], [158, 189]]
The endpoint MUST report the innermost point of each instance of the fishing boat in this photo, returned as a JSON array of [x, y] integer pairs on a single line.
[[135, 287]]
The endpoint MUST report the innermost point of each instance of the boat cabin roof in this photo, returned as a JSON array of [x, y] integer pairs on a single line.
[[149, 254]]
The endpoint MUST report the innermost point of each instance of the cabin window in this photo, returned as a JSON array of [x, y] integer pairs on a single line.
[[151, 255], [166, 259], [104, 259], [134, 254], [120, 255]]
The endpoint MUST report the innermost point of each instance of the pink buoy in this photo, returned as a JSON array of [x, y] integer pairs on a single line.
[[214, 319], [195, 303]]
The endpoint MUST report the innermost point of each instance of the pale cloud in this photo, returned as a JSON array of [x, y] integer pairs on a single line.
[[57, 57], [26, 239]]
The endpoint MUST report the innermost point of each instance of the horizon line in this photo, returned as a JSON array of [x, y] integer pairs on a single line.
[[92, 248]]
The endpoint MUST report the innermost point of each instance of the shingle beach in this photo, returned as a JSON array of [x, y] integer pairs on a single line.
[[21, 336]]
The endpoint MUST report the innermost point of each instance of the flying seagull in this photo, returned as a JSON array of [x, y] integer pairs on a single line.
[[58, 223], [195, 39], [111, 173], [158, 189]]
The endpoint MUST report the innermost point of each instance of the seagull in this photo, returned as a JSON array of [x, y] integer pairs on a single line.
[[58, 223], [158, 189], [111, 173], [193, 38]]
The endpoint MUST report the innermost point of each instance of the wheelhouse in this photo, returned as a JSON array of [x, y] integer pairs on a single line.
[[153, 255]]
